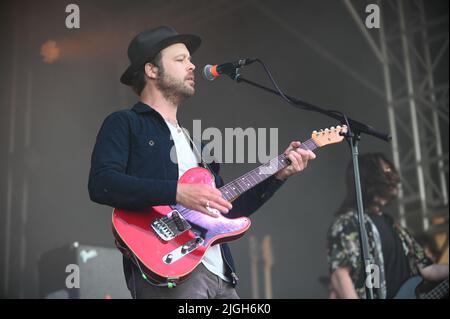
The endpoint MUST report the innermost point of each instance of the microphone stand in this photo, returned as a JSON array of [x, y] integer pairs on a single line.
[[353, 135]]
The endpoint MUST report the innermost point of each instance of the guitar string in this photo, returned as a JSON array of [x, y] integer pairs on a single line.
[[438, 292], [191, 212]]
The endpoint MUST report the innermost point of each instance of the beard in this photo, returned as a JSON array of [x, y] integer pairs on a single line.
[[173, 89]]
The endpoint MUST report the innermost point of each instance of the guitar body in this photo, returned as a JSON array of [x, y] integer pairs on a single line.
[[169, 242], [408, 289]]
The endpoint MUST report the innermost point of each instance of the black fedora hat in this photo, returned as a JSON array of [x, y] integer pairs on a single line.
[[147, 44]]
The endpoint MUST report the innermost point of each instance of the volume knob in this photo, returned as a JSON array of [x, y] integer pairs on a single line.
[[169, 258], [184, 249]]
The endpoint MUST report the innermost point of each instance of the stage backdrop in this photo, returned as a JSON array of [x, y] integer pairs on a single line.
[[59, 84]]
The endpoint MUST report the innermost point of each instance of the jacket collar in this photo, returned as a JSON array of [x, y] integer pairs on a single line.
[[141, 107]]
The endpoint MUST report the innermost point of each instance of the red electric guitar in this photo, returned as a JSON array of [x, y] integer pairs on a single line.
[[168, 242]]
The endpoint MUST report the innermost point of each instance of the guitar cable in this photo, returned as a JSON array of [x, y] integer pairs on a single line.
[[134, 260], [169, 284]]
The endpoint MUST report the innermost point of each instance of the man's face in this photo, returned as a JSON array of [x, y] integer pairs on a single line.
[[176, 78], [389, 190], [392, 178]]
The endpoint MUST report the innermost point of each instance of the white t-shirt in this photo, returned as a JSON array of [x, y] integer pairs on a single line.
[[212, 259]]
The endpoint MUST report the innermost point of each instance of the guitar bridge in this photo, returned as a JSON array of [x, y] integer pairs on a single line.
[[170, 226]]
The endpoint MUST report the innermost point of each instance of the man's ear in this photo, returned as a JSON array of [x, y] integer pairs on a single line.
[[151, 70]]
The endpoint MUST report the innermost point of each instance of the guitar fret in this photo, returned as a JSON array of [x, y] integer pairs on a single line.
[[241, 184], [228, 192], [258, 176], [255, 181], [247, 180], [253, 177], [438, 292], [232, 190], [242, 188], [309, 145], [238, 186], [282, 161]]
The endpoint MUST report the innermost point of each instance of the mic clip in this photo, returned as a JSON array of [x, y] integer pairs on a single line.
[[210, 72], [234, 74]]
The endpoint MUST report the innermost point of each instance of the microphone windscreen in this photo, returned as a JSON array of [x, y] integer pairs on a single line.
[[207, 72]]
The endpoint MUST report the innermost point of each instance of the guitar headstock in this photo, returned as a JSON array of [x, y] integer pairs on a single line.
[[328, 136]]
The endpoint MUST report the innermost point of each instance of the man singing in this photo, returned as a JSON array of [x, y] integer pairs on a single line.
[[132, 169]]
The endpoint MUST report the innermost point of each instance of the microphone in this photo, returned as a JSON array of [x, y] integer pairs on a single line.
[[210, 72]]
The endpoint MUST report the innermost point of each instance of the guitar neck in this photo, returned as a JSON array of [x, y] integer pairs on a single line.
[[237, 187], [438, 292]]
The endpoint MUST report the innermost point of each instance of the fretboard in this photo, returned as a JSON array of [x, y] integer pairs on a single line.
[[438, 292], [234, 189]]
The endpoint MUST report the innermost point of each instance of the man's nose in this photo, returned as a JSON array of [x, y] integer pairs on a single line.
[[191, 66]]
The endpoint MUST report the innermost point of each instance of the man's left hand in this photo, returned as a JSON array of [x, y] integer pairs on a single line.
[[299, 160]]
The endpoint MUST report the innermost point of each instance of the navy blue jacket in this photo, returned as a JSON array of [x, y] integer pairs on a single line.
[[131, 169]]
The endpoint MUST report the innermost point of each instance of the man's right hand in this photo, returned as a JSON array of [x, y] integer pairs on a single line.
[[199, 196]]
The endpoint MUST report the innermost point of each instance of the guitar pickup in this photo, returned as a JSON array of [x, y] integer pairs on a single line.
[[170, 226]]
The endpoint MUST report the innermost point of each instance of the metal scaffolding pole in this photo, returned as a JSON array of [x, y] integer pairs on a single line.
[[435, 115], [413, 113], [391, 112], [417, 105]]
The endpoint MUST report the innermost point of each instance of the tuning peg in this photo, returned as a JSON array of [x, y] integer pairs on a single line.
[[314, 132], [338, 127], [332, 128]]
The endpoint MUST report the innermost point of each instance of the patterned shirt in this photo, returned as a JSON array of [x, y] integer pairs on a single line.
[[343, 250]]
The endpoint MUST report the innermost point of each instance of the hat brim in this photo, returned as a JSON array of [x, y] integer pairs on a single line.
[[191, 41]]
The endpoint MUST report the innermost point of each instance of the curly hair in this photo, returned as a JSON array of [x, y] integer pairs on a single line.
[[379, 179]]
